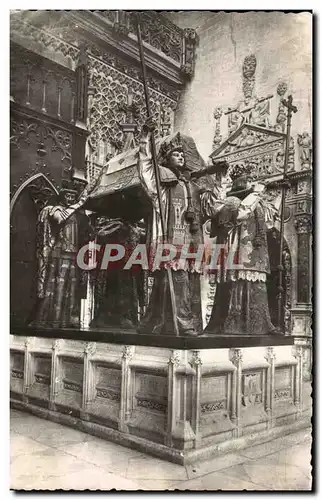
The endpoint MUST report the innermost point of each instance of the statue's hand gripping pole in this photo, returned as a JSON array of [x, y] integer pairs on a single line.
[[156, 173]]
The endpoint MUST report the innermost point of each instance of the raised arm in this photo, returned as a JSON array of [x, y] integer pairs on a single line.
[[145, 165]]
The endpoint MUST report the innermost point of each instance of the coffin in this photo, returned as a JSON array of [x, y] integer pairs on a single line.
[[120, 193]]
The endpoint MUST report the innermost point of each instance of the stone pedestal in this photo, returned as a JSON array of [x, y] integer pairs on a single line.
[[178, 403]]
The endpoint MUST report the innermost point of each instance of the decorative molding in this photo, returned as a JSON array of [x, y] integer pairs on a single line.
[[217, 137], [270, 354], [195, 359], [249, 69], [71, 386], [190, 40], [151, 405], [282, 393], [108, 109], [287, 266], [128, 352], [213, 406], [17, 373], [303, 224], [90, 348], [106, 393], [60, 140], [42, 379], [175, 358], [236, 356], [160, 33], [305, 149], [57, 344]]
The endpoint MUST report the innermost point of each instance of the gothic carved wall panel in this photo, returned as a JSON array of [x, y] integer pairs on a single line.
[[107, 109], [41, 84], [38, 147]]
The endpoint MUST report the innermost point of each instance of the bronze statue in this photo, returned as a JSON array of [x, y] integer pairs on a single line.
[[63, 228], [181, 193], [118, 292], [240, 222]]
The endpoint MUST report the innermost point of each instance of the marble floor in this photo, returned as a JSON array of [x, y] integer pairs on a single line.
[[46, 455]]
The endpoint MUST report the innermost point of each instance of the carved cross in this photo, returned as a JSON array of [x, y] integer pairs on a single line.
[[290, 107]]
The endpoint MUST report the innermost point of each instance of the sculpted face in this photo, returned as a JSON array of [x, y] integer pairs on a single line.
[[69, 198], [176, 159]]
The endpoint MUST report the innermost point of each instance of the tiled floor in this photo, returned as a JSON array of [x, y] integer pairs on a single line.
[[45, 455]]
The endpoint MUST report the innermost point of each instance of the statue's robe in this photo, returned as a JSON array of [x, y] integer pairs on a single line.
[[241, 303], [61, 284], [117, 291], [186, 275]]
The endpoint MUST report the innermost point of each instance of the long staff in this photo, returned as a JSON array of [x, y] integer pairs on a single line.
[[290, 109], [156, 172]]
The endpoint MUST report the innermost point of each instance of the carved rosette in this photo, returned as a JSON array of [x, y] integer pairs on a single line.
[[174, 358], [303, 224], [249, 69]]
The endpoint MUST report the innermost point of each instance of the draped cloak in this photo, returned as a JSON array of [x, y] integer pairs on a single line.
[[176, 188], [61, 283], [241, 303]]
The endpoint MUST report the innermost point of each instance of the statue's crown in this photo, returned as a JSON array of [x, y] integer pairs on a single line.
[[167, 147], [239, 170]]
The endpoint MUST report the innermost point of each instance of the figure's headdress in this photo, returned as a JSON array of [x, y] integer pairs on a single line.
[[239, 170], [168, 146], [67, 186], [241, 177]]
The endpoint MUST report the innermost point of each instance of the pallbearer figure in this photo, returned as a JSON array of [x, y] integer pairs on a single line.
[[240, 223], [63, 228], [181, 195]]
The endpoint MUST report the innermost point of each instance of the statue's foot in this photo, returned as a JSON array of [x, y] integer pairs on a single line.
[[190, 333], [276, 331]]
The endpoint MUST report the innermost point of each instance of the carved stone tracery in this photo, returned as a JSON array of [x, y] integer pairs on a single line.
[[109, 103]]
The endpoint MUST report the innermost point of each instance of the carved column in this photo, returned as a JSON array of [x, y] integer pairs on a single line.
[[55, 382], [303, 225], [27, 369], [217, 137], [173, 364], [270, 384], [88, 379], [298, 354], [236, 357], [196, 363], [125, 387]]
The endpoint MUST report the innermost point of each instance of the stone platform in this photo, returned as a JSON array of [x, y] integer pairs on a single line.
[[180, 398]]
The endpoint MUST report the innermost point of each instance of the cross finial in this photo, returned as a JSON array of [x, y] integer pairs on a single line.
[[288, 104]]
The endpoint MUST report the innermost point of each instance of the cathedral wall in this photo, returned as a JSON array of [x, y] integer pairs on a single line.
[[282, 45]]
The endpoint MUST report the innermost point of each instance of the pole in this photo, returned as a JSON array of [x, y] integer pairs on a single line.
[[290, 108], [156, 172]]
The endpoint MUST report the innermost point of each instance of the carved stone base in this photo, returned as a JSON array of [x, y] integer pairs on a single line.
[[180, 405]]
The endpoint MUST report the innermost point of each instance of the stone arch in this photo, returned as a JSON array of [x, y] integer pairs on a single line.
[[25, 206]]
